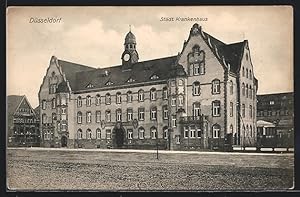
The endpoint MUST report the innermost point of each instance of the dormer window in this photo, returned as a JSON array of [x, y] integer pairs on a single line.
[[109, 83], [154, 77], [130, 80], [90, 85]]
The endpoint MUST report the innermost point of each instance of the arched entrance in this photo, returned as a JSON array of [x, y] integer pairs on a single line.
[[119, 132], [64, 141]]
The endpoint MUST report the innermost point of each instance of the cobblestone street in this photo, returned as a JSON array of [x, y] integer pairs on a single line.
[[102, 170]]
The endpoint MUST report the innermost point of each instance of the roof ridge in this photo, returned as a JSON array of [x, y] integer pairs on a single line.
[[76, 64]]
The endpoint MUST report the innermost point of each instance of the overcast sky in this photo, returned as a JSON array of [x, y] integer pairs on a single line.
[[94, 36]]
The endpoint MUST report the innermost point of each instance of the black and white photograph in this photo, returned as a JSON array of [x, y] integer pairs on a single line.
[[158, 98]]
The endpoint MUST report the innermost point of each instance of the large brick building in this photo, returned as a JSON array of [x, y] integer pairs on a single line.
[[199, 99], [22, 122]]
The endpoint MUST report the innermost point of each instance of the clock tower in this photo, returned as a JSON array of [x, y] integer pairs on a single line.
[[130, 55]]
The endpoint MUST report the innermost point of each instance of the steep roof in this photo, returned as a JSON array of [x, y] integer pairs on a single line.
[[232, 52], [70, 69], [13, 101], [147, 71]]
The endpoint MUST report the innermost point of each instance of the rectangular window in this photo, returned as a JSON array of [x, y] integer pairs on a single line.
[[130, 133], [174, 121], [141, 133], [98, 116], [243, 110], [192, 132], [196, 68], [141, 113], [129, 115], [231, 109], [216, 108], [44, 104], [153, 113], [63, 127], [199, 133], [173, 101], [166, 134], [180, 100], [165, 93], [177, 137], [216, 87], [119, 115], [108, 134], [186, 132], [165, 112]]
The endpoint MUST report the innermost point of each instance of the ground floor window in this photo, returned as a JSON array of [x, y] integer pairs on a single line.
[[130, 133], [177, 137], [108, 134], [141, 133], [216, 131], [166, 133]]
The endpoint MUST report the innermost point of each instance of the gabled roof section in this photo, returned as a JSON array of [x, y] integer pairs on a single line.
[[70, 69], [13, 102]]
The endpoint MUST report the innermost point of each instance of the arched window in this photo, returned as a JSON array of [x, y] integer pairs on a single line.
[[196, 68], [243, 72], [247, 130], [196, 109], [98, 116], [243, 110], [153, 113], [53, 103], [118, 115], [44, 103], [53, 117], [165, 93], [153, 94], [107, 99], [98, 99], [79, 101], [44, 118], [79, 134], [141, 95], [153, 132], [216, 86], [250, 111], [250, 130], [118, 97], [180, 100], [243, 89], [98, 133], [180, 82], [165, 112], [231, 87], [216, 131], [231, 129], [141, 133], [107, 116], [129, 96], [53, 74], [88, 100], [196, 88], [250, 74], [165, 129], [79, 117], [247, 92], [247, 75], [88, 134], [88, 117], [250, 91]]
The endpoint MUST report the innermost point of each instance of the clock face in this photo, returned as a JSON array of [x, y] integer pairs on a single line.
[[126, 57]]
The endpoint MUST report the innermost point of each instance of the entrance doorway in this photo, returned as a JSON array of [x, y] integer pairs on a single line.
[[64, 141], [119, 134]]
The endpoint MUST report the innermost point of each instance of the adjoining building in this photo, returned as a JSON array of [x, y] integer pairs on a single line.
[[277, 109], [202, 98], [22, 122]]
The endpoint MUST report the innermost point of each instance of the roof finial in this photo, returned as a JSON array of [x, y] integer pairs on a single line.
[[129, 28]]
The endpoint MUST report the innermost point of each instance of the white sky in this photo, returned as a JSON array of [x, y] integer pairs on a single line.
[[94, 36]]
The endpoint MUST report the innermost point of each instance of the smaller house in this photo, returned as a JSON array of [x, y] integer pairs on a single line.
[[22, 122]]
